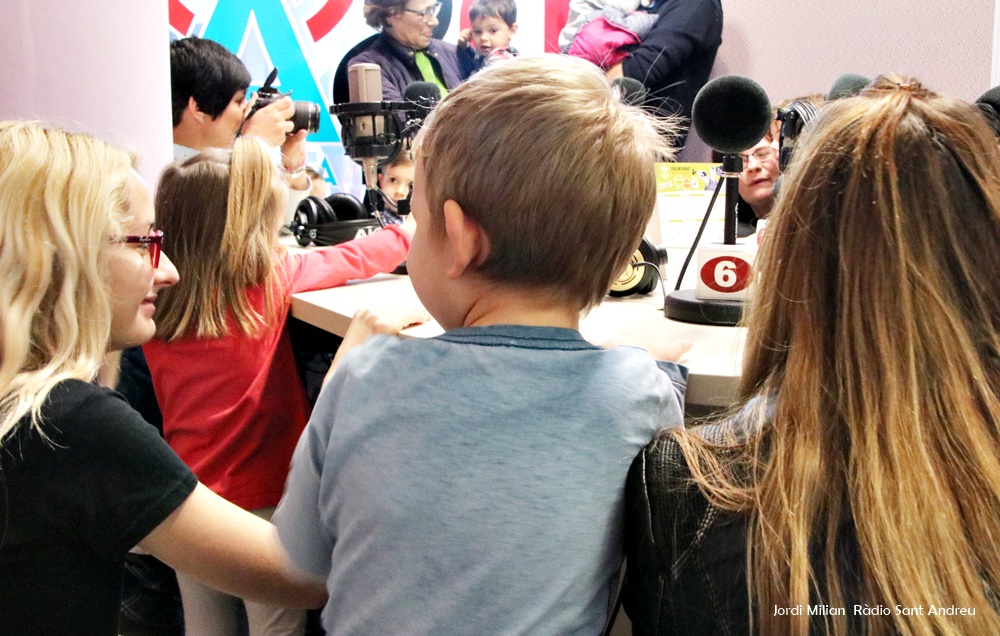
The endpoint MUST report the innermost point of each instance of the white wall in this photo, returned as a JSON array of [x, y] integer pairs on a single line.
[[101, 67]]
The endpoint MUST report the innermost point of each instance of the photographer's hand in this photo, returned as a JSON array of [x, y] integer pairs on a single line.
[[293, 159], [272, 123]]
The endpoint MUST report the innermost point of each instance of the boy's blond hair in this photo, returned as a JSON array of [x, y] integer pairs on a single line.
[[555, 168]]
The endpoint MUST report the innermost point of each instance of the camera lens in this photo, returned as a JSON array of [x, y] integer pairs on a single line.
[[306, 116]]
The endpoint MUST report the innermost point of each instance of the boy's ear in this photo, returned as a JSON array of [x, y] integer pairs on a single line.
[[513, 29], [470, 247], [199, 115]]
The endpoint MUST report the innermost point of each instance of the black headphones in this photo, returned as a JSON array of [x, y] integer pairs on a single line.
[[336, 219], [642, 272]]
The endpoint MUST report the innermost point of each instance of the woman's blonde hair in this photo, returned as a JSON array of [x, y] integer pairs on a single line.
[[875, 339], [63, 196], [218, 214]]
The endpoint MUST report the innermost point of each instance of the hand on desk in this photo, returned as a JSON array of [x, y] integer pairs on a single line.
[[371, 321], [647, 337]]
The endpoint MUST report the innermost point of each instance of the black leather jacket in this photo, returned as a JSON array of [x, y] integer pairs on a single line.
[[686, 560]]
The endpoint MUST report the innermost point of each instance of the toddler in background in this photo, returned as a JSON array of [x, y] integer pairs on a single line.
[[395, 180], [603, 31], [484, 492], [494, 23]]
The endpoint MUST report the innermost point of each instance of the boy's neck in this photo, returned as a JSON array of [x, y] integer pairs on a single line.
[[504, 306]]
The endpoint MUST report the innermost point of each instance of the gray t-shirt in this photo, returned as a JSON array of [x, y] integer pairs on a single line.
[[480, 489]]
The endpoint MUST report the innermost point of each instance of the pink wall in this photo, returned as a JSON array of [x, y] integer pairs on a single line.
[[100, 67], [104, 67], [797, 47]]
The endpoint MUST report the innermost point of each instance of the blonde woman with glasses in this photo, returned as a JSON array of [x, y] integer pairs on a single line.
[[82, 477]]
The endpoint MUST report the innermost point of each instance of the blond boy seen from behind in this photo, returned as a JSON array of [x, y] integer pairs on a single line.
[[483, 493]]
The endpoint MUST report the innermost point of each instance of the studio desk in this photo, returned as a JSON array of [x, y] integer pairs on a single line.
[[713, 361]]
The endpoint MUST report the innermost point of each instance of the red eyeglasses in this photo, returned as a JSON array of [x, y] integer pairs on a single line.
[[153, 242]]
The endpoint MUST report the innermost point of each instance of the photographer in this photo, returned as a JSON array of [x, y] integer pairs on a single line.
[[208, 86]]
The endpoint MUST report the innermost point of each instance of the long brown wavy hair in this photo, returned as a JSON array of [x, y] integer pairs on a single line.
[[874, 341]]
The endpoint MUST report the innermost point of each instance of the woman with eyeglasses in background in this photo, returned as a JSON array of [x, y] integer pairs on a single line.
[[405, 49], [83, 478]]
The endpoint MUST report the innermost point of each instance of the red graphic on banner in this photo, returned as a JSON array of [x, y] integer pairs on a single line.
[[463, 21], [328, 16], [180, 17], [556, 13]]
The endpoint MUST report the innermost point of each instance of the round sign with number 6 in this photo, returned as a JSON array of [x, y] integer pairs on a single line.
[[726, 274]]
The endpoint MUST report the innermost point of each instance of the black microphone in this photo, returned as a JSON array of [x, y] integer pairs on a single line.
[[793, 118], [369, 128], [731, 113], [989, 104], [421, 98], [847, 85], [630, 90]]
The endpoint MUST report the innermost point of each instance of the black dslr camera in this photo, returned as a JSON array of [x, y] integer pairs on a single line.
[[306, 113]]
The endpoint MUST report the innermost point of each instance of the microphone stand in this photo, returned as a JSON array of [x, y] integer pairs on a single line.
[[684, 305]]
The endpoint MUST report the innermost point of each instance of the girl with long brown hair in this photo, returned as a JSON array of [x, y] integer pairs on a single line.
[[858, 488]]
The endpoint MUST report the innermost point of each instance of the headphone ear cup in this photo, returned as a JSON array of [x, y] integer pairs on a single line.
[[305, 220], [651, 275], [636, 278], [345, 207], [324, 213]]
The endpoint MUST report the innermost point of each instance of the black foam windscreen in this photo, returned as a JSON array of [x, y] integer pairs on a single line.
[[631, 90], [989, 104], [731, 113], [422, 94], [847, 85]]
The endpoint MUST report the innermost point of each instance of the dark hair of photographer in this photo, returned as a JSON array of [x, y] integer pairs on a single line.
[[208, 72]]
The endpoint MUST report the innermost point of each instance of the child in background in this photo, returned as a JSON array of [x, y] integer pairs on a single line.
[[494, 23], [483, 493], [603, 31], [318, 187], [221, 362], [395, 180]]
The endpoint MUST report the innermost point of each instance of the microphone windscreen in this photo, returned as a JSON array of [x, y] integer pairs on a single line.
[[631, 90], [847, 85], [989, 104], [422, 93], [731, 113], [364, 83]]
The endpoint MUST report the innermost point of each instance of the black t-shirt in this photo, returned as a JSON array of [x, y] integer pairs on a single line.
[[73, 505]]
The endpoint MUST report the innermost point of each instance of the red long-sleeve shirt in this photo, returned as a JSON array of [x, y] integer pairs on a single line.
[[234, 407]]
